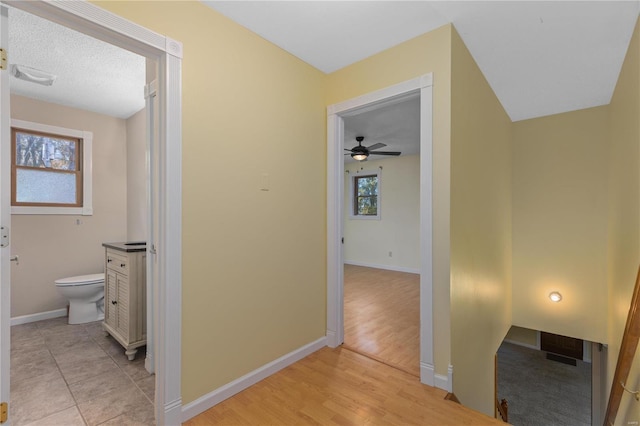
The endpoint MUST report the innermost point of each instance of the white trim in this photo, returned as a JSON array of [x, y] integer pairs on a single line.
[[92, 20], [445, 382], [386, 267], [427, 374], [421, 86], [387, 96], [25, 319], [87, 169], [5, 216], [335, 212], [217, 396], [525, 345]]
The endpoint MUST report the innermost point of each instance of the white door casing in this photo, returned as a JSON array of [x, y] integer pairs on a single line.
[[5, 215], [422, 87], [94, 21]]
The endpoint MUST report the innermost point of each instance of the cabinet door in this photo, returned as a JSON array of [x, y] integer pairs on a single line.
[[111, 296], [123, 306]]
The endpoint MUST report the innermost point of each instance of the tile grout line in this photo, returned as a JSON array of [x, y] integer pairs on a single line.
[[48, 332]]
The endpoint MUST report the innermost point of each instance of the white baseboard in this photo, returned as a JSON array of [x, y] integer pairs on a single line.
[[387, 267], [215, 397], [445, 382], [427, 374], [429, 377], [332, 339], [526, 345], [25, 319], [173, 413]]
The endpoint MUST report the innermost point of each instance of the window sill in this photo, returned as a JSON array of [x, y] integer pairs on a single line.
[[362, 217], [78, 211]]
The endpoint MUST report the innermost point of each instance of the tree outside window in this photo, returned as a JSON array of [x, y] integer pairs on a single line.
[[46, 170], [366, 196]]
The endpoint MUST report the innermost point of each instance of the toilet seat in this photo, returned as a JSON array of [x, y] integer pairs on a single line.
[[80, 280]]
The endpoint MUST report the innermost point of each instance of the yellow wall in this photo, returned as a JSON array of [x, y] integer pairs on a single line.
[[623, 253], [254, 262], [523, 336], [427, 53], [56, 246], [480, 229], [559, 223]]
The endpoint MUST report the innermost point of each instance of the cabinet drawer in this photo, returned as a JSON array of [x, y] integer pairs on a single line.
[[117, 262]]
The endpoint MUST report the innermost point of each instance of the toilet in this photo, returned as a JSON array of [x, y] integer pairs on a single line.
[[86, 297]]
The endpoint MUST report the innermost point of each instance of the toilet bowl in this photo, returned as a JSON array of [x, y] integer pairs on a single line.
[[86, 297]]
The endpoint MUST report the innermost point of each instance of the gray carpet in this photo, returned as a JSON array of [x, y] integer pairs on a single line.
[[542, 392]]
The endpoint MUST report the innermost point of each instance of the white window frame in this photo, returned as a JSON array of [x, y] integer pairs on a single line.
[[352, 194], [87, 170]]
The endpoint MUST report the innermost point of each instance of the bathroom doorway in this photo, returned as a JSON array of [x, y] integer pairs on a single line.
[[166, 244]]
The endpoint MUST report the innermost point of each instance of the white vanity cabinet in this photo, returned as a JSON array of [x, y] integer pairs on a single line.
[[125, 313]]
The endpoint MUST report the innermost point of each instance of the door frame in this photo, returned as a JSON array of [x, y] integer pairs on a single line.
[[101, 24], [423, 87]]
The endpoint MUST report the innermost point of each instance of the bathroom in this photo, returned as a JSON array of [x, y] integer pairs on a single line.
[[48, 247]]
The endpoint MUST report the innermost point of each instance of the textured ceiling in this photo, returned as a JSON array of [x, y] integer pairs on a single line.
[[397, 126], [91, 75]]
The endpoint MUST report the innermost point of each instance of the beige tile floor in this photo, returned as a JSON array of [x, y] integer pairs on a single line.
[[71, 375]]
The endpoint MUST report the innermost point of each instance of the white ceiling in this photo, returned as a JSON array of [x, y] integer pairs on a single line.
[[91, 75], [540, 57], [397, 126]]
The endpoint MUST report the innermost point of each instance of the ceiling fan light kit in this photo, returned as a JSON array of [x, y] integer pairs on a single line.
[[361, 153]]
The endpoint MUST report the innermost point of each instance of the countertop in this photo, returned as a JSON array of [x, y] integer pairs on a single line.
[[127, 246]]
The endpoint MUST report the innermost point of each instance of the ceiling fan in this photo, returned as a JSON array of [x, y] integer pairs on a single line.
[[361, 153]]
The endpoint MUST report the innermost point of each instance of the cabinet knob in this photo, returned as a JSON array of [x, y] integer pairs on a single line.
[[122, 265], [108, 260], [114, 302]]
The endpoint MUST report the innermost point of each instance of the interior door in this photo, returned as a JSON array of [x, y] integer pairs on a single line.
[[5, 212]]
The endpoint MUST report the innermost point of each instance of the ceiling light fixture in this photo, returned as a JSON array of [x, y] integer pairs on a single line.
[[555, 296], [359, 156], [32, 75]]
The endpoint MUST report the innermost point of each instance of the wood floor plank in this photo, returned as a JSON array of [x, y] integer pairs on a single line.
[[340, 387], [382, 316]]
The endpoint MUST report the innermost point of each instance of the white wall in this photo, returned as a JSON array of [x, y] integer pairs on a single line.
[[56, 246], [368, 242], [136, 177]]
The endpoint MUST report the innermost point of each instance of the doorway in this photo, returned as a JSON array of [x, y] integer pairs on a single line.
[[166, 247], [422, 87], [381, 235]]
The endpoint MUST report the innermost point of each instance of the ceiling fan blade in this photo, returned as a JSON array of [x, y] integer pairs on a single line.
[[385, 153], [347, 149], [376, 146]]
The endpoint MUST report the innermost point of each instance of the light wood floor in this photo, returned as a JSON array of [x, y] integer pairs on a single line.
[[340, 387], [382, 316]]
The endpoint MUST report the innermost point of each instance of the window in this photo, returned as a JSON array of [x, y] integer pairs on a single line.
[[49, 170], [365, 195]]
